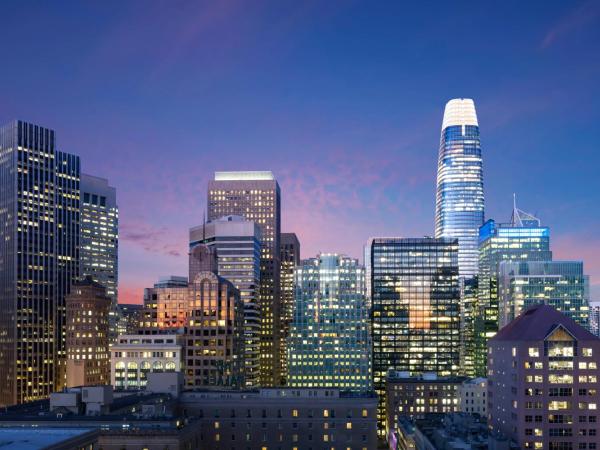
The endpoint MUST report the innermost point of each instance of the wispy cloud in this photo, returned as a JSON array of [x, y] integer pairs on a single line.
[[581, 16], [152, 239], [582, 247]]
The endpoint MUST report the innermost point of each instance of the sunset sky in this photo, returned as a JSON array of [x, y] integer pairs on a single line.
[[343, 101]]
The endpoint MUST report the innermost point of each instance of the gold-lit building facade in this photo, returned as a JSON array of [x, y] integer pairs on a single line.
[[88, 358]]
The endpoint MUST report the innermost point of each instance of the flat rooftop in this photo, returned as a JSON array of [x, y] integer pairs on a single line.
[[28, 438]]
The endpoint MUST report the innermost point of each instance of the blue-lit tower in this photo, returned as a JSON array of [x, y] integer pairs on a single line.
[[459, 209]]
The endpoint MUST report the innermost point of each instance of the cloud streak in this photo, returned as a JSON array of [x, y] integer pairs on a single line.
[[582, 16]]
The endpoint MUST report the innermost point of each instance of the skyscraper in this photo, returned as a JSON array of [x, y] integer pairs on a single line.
[[100, 239], [415, 308], [290, 258], [543, 382], [39, 259], [256, 196], [459, 207], [209, 313], [236, 242], [329, 344], [88, 359], [522, 239], [560, 284]]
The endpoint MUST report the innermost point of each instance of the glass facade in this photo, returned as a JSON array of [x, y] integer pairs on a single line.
[[290, 258], [256, 197], [329, 342], [415, 315], [560, 284], [517, 241], [459, 210], [39, 259], [100, 240]]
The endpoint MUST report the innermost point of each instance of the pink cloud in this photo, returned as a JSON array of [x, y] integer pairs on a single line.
[[579, 17], [582, 247]]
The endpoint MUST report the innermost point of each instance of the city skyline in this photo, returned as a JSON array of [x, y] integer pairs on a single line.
[[361, 154]]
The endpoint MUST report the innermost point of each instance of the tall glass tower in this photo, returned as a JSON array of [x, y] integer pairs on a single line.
[[415, 309], [459, 208]]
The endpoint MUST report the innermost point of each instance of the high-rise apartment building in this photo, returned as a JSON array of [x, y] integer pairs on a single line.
[[290, 258], [256, 197], [560, 284], [543, 382], [39, 259], [99, 254], [522, 239], [236, 242], [459, 207], [415, 308], [329, 343], [88, 359]]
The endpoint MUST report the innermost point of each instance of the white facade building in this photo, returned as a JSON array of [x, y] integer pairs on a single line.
[[472, 396], [133, 356]]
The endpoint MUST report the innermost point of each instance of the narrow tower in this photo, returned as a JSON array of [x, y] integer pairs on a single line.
[[459, 208]]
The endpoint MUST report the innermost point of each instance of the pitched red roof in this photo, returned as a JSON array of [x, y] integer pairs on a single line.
[[536, 322]]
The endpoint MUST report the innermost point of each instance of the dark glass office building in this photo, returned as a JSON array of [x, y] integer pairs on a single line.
[[39, 259], [415, 315]]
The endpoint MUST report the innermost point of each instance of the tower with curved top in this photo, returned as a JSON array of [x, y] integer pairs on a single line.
[[459, 209]]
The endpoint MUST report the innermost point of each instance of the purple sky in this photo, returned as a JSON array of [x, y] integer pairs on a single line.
[[343, 101]]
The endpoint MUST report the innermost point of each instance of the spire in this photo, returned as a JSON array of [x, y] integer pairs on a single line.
[[521, 218]]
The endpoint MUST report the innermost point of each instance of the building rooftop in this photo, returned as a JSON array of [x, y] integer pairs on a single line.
[[404, 377], [127, 406], [38, 438], [244, 176], [535, 323], [459, 111]]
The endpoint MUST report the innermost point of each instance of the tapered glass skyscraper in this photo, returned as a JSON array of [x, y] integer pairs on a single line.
[[459, 208]]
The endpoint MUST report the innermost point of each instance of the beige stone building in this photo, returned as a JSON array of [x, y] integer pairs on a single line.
[[88, 358]]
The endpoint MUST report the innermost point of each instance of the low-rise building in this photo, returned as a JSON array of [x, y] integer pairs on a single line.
[[472, 396], [134, 356], [283, 418], [417, 396], [46, 438], [289, 419], [450, 431]]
